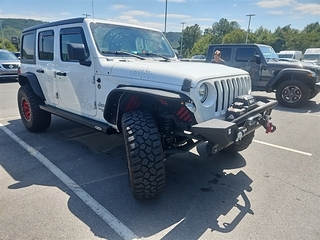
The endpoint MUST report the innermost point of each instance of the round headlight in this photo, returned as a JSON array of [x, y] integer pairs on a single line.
[[203, 92]]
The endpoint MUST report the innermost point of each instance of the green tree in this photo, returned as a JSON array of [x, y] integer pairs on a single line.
[[222, 28], [190, 36], [201, 45], [236, 36], [8, 45]]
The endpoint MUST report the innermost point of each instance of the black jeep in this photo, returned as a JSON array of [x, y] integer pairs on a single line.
[[294, 82]]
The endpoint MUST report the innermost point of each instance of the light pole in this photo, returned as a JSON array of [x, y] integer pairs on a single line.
[[165, 19], [249, 15], [3, 46], [183, 23]]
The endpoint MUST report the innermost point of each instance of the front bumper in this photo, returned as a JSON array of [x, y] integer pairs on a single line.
[[224, 133]]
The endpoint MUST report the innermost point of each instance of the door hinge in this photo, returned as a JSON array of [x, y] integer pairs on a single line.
[[57, 95]]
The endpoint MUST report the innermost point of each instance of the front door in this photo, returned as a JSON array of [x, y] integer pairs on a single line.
[[76, 85]]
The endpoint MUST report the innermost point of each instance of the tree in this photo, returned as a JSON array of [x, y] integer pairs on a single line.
[[190, 36], [201, 45], [236, 36], [222, 28]]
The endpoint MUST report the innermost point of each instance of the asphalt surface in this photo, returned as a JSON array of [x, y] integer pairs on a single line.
[[71, 182]]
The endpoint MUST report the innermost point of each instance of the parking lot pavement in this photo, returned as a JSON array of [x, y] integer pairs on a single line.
[[65, 182]]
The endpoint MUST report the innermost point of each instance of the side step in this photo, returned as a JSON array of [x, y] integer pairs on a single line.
[[102, 127]]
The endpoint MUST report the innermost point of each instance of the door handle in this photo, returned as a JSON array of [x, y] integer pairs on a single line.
[[40, 71], [61, 74]]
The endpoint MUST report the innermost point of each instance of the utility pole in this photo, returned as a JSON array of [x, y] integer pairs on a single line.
[[3, 45], [249, 15], [86, 15], [165, 19], [183, 23]]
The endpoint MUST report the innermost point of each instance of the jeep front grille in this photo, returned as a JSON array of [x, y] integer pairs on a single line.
[[227, 90]]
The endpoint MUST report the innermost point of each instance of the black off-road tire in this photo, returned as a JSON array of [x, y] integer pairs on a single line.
[[242, 145], [144, 154], [313, 94], [292, 93], [33, 118]]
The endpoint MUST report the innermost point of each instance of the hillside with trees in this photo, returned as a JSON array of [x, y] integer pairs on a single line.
[[195, 41]]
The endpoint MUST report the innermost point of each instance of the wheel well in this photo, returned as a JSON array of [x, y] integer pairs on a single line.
[[32, 80], [291, 76], [160, 106]]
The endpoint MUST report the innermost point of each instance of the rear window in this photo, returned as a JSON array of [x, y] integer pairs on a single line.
[[28, 47]]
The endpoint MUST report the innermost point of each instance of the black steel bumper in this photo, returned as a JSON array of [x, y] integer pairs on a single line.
[[224, 132]]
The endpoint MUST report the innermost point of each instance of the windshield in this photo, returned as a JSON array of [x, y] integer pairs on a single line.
[[7, 56], [110, 38], [311, 56], [285, 55], [268, 52]]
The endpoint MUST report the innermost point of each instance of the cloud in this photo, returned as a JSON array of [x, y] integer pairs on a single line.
[[178, 1], [119, 7], [138, 13], [275, 3], [276, 12], [313, 9]]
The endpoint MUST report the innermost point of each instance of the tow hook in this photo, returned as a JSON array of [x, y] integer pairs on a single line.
[[264, 121]]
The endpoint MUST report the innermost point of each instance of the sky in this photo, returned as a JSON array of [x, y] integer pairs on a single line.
[[268, 14]]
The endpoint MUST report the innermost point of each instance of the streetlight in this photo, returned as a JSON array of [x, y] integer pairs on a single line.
[[3, 46], [249, 15], [183, 23], [165, 19]]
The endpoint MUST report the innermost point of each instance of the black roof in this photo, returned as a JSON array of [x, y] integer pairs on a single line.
[[56, 23]]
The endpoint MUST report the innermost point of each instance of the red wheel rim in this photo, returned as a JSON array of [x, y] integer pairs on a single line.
[[26, 109]]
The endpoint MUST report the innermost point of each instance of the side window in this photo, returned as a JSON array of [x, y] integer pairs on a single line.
[[225, 54], [245, 54], [45, 45], [28, 48], [71, 35]]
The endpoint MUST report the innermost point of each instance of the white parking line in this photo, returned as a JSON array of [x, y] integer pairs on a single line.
[[103, 213], [284, 148]]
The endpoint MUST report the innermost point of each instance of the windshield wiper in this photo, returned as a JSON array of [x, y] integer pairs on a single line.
[[157, 55], [123, 53]]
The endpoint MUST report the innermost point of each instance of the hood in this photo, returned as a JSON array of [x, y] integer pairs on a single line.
[[173, 73], [287, 63]]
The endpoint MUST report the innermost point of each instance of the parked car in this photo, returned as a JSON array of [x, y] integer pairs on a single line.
[[291, 54], [312, 55], [293, 83], [9, 65], [198, 57]]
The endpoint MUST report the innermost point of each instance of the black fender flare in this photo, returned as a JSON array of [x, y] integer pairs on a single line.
[[115, 98], [303, 75], [32, 80]]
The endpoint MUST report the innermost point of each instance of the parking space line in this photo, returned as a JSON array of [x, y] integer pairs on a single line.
[[103, 213], [284, 148]]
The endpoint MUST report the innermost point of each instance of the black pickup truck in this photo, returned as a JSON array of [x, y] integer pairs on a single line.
[[294, 82]]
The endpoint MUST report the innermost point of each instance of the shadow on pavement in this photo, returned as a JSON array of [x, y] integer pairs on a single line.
[[202, 192]]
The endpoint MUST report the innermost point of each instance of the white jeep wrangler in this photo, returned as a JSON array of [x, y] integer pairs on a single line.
[[119, 78]]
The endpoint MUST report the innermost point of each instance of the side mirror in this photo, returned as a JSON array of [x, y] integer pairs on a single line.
[[76, 52], [257, 59]]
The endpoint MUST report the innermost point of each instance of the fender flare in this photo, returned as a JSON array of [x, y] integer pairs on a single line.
[[115, 97], [304, 75], [30, 78]]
